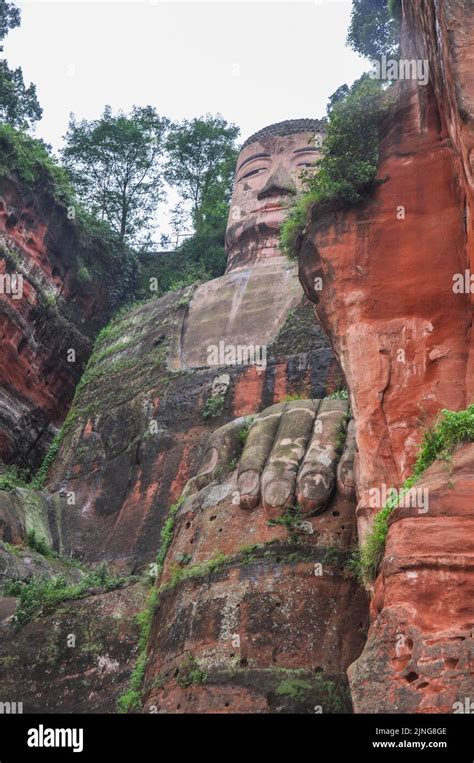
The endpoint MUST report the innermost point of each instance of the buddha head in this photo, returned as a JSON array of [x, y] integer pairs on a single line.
[[267, 178]]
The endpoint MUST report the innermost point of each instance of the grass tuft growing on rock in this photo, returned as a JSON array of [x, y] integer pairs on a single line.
[[38, 544], [291, 519], [42, 473], [293, 687], [213, 407], [38, 595], [131, 698], [11, 479], [190, 672], [339, 394]]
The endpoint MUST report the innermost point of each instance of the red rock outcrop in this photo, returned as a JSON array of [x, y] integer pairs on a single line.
[[62, 292], [77, 658], [403, 336]]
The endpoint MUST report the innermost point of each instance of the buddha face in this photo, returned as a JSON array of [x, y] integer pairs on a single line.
[[267, 178]]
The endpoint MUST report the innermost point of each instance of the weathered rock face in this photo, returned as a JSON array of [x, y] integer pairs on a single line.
[[166, 374], [419, 655], [257, 611], [139, 423], [168, 387], [403, 336], [77, 658], [54, 297]]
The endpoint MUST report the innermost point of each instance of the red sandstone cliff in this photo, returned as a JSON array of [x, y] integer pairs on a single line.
[[69, 289], [404, 341], [243, 623]]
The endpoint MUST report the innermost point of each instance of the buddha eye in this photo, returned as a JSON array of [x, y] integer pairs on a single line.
[[252, 173], [306, 164]]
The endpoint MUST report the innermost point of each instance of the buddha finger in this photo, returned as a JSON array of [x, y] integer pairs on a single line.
[[317, 477], [279, 476], [255, 454]]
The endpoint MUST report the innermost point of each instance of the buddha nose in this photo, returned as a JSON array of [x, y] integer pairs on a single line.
[[279, 183]]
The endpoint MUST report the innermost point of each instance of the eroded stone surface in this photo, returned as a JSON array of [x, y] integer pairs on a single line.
[[53, 313], [257, 614], [40, 668], [403, 337]]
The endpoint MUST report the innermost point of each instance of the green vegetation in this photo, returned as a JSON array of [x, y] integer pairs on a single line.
[[179, 574], [453, 428], [214, 407], [114, 164], [112, 179], [294, 396], [131, 698], [395, 9], [100, 251], [38, 544], [244, 433], [339, 394], [333, 698], [350, 157], [166, 535], [295, 688], [341, 432], [374, 30], [291, 519], [111, 349], [114, 330], [42, 473], [19, 105], [31, 161], [38, 595], [439, 442], [190, 672], [11, 479], [201, 162]]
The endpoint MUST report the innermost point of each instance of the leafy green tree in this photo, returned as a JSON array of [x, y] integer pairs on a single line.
[[351, 148], [19, 105], [115, 165], [202, 154], [201, 163], [9, 18], [374, 28], [338, 95]]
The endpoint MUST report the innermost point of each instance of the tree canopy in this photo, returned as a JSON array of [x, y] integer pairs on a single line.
[[114, 163], [9, 18], [201, 162], [374, 28], [19, 106]]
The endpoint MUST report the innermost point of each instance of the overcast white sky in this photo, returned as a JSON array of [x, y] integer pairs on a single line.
[[253, 62]]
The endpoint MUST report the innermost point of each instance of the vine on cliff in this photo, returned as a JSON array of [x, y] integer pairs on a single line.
[[439, 442]]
